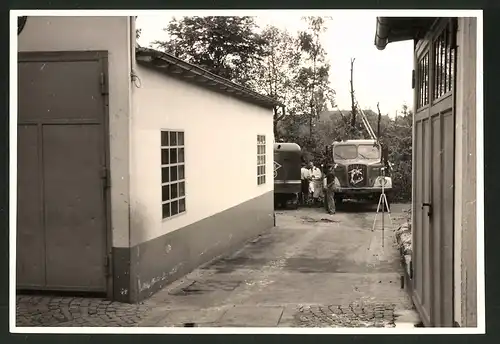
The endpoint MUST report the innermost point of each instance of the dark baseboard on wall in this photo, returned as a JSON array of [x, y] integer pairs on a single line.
[[154, 264]]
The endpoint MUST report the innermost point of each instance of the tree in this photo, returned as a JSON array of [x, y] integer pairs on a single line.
[[290, 68], [137, 31], [274, 72], [312, 94], [226, 46], [353, 99], [398, 137], [295, 71], [312, 80]]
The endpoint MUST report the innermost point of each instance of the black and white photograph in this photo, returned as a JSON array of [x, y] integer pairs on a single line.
[[246, 171]]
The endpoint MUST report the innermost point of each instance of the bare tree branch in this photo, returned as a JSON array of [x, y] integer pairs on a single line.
[[378, 122], [353, 102]]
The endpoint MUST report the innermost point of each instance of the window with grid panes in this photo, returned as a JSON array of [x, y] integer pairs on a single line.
[[261, 159], [444, 63], [173, 183], [423, 81]]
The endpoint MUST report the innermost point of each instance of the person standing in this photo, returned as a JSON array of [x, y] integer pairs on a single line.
[[330, 189], [304, 178], [316, 182]]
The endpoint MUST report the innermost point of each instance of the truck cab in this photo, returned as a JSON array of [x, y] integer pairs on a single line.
[[361, 169]]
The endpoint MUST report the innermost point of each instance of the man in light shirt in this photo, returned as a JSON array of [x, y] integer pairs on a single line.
[[316, 185], [304, 176]]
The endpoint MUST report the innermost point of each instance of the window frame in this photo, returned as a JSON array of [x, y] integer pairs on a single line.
[[444, 55], [261, 160], [423, 84], [438, 48], [170, 164]]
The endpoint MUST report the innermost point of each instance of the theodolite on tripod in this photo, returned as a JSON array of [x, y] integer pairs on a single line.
[[382, 202]]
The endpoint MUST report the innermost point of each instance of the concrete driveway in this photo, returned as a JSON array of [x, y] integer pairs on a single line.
[[312, 270]]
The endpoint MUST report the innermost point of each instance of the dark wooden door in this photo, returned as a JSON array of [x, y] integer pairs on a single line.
[[433, 179], [62, 223]]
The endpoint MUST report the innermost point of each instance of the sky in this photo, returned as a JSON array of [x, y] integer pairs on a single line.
[[382, 77]]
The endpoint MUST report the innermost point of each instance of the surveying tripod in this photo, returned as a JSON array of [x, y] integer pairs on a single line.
[[382, 202]]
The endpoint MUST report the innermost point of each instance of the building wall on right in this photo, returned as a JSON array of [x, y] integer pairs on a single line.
[[465, 176]]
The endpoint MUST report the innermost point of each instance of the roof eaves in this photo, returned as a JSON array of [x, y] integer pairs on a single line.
[[175, 66], [396, 29]]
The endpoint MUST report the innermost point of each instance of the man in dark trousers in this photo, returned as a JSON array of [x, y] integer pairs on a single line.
[[329, 190], [304, 175]]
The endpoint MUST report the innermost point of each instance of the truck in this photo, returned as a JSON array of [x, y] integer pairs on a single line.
[[287, 183], [361, 170], [362, 167]]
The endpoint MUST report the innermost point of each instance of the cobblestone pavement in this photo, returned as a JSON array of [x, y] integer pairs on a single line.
[[312, 270], [82, 312], [353, 315]]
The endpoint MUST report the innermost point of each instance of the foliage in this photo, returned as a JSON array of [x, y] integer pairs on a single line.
[[311, 80], [274, 72], [398, 137], [294, 69], [291, 68], [304, 78], [226, 46]]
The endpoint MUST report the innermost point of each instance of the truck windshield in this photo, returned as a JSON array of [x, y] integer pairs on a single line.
[[345, 152], [349, 152], [369, 152]]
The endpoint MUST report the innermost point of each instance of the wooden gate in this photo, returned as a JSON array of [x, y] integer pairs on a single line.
[[62, 164], [433, 174]]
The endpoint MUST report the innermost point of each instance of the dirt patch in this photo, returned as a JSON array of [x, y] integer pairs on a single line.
[[308, 219], [206, 286]]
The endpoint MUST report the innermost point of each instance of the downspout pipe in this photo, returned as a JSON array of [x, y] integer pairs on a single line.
[[382, 33], [133, 42]]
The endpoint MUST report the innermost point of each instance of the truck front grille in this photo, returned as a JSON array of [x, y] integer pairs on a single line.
[[357, 176]]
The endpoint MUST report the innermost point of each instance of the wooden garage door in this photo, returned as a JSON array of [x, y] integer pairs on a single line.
[[433, 178], [61, 224]]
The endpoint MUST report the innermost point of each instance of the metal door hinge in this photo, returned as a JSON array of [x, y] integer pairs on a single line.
[[411, 269], [105, 176], [104, 84], [107, 264], [413, 79]]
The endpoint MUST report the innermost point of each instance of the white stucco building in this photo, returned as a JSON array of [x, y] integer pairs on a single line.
[[134, 167]]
